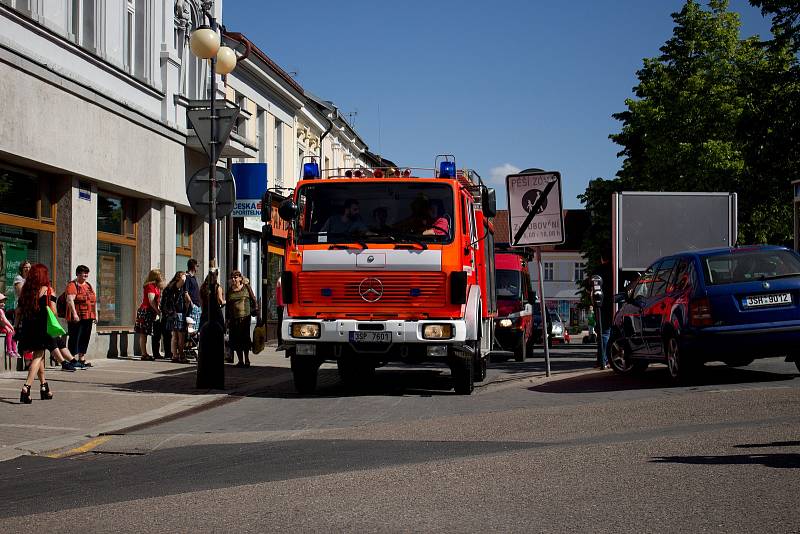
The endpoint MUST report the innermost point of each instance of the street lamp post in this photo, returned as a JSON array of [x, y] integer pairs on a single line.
[[205, 44]]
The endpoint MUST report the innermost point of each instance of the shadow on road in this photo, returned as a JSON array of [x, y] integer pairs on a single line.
[[183, 380], [426, 382], [777, 461], [537, 365], [656, 378]]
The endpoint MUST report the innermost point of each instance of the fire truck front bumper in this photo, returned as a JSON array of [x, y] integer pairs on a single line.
[[434, 338]]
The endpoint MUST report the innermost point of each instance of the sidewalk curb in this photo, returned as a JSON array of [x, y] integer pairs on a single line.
[[62, 445]]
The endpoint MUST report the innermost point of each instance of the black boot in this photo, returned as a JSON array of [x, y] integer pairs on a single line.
[[25, 395]]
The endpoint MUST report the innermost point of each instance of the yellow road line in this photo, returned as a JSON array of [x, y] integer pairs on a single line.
[[86, 447]]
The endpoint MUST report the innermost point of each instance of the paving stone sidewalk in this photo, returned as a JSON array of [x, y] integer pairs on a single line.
[[117, 394]]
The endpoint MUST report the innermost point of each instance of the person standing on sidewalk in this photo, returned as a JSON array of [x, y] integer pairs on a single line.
[[31, 325], [81, 313], [606, 311], [239, 303], [147, 313], [19, 281], [8, 329], [174, 303], [193, 289]]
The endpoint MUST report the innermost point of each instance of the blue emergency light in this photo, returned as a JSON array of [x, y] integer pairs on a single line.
[[447, 169], [310, 170]]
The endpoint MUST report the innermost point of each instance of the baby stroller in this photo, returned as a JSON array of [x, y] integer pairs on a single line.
[[192, 338]]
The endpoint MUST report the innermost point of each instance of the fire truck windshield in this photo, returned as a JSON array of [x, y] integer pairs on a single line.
[[509, 286], [376, 212]]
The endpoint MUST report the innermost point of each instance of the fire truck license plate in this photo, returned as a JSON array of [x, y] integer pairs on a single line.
[[370, 337]]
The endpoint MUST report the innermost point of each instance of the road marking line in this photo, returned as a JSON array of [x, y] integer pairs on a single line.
[[86, 447]]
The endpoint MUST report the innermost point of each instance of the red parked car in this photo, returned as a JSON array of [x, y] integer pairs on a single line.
[[513, 327]]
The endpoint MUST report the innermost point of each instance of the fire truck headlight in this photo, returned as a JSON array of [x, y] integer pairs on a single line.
[[437, 331], [305, 330], [505, 323]]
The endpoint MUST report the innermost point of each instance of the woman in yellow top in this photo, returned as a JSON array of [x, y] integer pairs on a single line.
[[239, 303]]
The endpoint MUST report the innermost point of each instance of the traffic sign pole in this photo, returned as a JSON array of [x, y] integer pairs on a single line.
[[543, 307], [536, 218]]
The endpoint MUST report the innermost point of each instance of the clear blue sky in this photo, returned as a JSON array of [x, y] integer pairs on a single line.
[[503, 85]]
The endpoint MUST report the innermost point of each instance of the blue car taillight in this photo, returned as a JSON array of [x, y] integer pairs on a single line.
[[700, 312]]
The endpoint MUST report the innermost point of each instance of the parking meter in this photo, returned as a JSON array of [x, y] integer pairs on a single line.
[[597, 301], [597, 290]]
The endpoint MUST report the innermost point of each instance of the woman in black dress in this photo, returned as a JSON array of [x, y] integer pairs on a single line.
[[31, 318]]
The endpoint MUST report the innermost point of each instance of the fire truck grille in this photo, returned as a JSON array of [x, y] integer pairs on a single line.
[[373, 291]]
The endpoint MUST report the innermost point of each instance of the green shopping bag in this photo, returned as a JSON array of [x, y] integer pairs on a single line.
[[54, 328]]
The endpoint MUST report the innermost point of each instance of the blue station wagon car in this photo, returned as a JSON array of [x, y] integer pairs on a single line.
[[731, 305]]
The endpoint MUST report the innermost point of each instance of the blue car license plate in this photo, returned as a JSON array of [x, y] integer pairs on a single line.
[[370, 337], [776, 299]]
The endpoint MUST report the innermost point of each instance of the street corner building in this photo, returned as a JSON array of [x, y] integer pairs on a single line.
[[96, 150]]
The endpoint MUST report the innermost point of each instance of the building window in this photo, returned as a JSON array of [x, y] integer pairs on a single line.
[[261, 134], [579, 273], [139, 45], [277, 158], [27, 229], [183, 240], [116, 280], [548, 269], [87, 24], [19, 193], [128, 36], [115, 215], [117, 277]]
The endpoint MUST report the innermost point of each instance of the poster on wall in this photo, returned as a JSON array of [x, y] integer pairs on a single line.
[[107, 290], [12, 255]]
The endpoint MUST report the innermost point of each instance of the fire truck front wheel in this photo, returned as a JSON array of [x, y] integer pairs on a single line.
[[462, 369], [304, 372]]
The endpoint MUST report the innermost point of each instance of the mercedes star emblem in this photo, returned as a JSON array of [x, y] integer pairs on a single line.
[[370, 289]]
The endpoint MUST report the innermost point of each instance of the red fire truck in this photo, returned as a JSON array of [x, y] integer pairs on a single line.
[[389, 265]]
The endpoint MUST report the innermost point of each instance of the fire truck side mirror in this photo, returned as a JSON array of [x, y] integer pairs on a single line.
[[288, 210], [489, 202]]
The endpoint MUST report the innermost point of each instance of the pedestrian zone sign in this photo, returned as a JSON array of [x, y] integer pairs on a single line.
[[247, 207], [535, 212]]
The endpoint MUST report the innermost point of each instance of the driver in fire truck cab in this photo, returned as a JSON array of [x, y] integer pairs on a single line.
[[396, 212]]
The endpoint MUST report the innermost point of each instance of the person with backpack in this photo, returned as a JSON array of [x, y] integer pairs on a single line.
[[175, 302], [81, 313]]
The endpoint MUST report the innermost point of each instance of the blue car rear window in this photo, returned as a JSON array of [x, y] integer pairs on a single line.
[[746, 266]]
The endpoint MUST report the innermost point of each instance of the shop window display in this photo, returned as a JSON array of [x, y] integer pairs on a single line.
[[16, 245], [115, 276]]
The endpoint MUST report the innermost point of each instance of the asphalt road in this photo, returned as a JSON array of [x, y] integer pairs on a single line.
[[586, 451]]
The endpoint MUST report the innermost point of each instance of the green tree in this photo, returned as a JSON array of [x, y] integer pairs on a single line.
[[703, 119]]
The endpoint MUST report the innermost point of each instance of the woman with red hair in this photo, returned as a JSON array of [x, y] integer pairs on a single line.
[[34, 299]]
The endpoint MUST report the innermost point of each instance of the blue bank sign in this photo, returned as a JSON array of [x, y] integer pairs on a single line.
[[251, 184]]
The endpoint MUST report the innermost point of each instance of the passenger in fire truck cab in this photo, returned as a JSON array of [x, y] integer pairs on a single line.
[[437, 221], [348, 222], [380, 215]]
